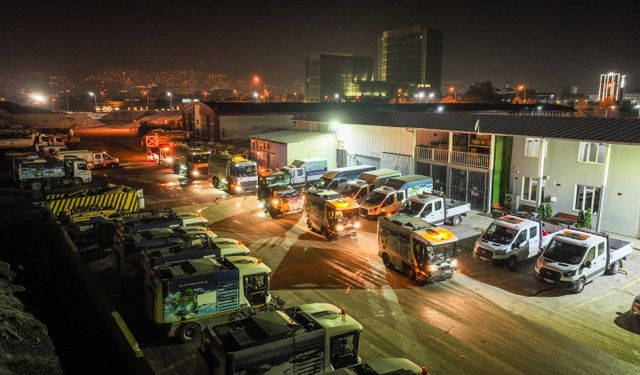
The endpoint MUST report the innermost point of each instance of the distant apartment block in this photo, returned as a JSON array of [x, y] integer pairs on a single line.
[[611, 85], [411, 54]]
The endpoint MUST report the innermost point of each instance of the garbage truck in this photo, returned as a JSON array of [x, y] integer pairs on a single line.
[[233, 173], [188, 296], [306, 339], [41, 173], [276, 196], [331, 214], [423, 252]]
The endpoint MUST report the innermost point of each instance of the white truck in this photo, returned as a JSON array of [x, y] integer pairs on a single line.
[[436, 209], [233, 173], [95, 159], [420, 250], [361, 187], [510, 240], [574, 258], [305, 172], [38, 173], [32, 141], [388, 199], [331, 214]]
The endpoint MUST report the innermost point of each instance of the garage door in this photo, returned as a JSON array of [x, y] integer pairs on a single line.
[[397, 162]]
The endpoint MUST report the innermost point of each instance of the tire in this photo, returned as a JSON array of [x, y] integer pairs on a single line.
[[456, 220], [386, 261], [410, 273], [188, 332], [614, 268], [114, 165], [215, 182], [512, 263], [325, 233], [579, 285], [76, 181], [35, 185]]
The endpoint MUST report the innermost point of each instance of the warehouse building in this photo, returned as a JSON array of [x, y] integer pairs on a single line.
[[279, 148]]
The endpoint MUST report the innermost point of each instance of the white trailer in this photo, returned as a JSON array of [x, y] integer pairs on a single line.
[[436, 209], [573, 258]]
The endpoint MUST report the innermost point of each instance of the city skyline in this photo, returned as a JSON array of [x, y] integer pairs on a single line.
[[547, 46]]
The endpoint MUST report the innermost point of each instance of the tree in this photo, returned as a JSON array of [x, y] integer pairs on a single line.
[[587, 219], [548, 211], [480, 92], [580, 220]]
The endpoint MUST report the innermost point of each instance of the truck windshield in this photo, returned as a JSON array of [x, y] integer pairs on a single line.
[[199, 158], [353, 191], [411, 208], [428, 254], [499, 234], [564, 252], [341, 216], [246, 170], [323, 183], [277, 180], [375, 198]]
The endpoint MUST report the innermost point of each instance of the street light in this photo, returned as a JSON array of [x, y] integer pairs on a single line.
[[455, 93], [421, 96], [255, 95], [170, 100], [95, 100], [336, 96], [524, 92], [431, 96], [637, 106]]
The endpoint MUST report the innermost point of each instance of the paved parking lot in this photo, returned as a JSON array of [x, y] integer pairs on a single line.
[[486, 320]]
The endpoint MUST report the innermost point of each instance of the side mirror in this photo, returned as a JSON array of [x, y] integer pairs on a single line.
[[587, 264]]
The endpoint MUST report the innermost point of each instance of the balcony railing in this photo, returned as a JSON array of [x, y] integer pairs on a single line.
[[457, 157]]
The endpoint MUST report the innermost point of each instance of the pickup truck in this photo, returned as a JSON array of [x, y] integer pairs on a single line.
[[436, 209], [573, 258], [511, 239]]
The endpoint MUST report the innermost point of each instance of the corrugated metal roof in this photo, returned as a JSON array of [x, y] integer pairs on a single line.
[[576, 128], [290, 136]]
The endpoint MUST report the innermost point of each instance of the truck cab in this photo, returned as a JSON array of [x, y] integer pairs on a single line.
[[191, 162], [436, 209], [574, 258], [233, 173], [361, 187], [188, 296], [337, 179], [306, 339], [268, 180], [331, 214], [510, 240], [304, 172], [389, 198], [420, 250]]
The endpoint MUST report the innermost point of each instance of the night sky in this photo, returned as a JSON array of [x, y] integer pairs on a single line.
[[543, 44]]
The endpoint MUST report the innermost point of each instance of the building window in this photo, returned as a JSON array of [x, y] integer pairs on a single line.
[[532, 147], [529, 189], [586, 197], [592, 152]]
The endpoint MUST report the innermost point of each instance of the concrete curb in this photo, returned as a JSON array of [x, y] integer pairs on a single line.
[[121, 336]]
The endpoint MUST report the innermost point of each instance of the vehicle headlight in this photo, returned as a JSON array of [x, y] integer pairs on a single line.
[[238, 188], [274, 202], [169, 160], [195, 173], [261, 204], [569, 273], [356, 225], [454, 263], [432, 268], [501, 252], [339, 227]]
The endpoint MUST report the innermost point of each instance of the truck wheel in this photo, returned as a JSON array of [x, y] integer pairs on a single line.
[[579, 285], [325, 233], [188, 332], [512, 263], [76, 181], [456, 220], [410, 273], [386, 261], [614, 268], [215, 182], [35, 185]]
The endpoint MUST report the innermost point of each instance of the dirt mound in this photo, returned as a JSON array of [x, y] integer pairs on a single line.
[[25, 347], [55, 120], [17, 109]]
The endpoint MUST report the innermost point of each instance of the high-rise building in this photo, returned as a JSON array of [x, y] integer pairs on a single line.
[[611, 85], [328, 75], [411, 54]]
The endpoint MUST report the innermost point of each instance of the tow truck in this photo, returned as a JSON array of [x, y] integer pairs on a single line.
[[188, 296], [331, 214], [419, 249], [511, 240], [233, 173], [276, 195], [306, 339], [575, 257]]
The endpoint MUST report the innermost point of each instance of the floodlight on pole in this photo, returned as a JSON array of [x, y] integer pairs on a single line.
[[170, 100], [95, 100]]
